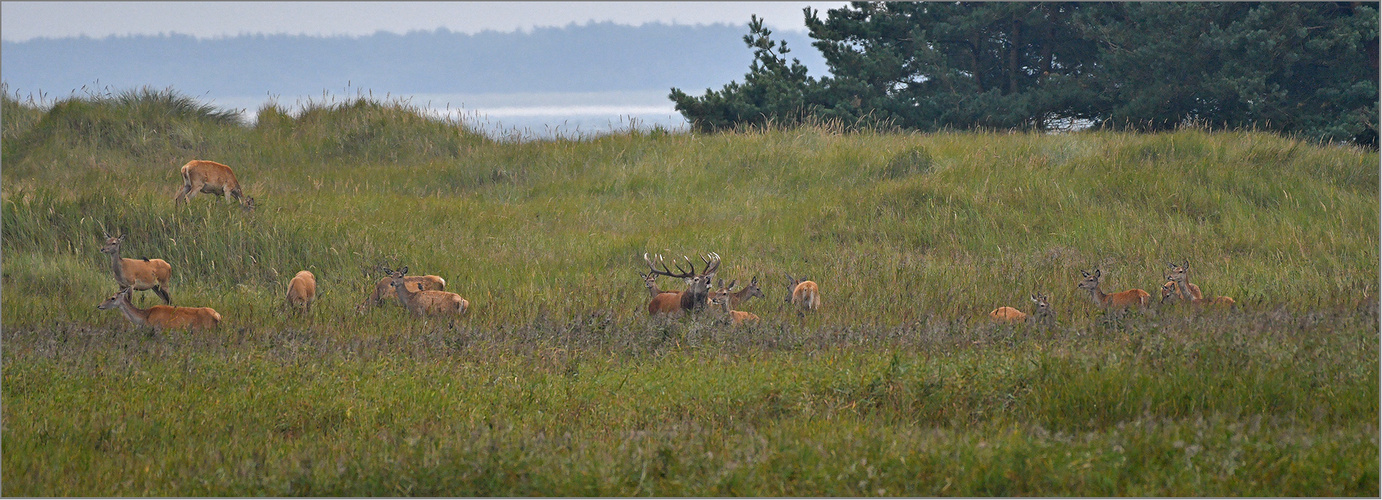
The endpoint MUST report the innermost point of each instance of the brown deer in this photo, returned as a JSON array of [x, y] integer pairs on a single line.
[[697, 292], [1121, 300], [426, 302], [1181, 287], [721, 302], [650, 283], [1042, 315], [1181, 273], [302, 290], [383, 289], [804, 293], [162, 317], [201, 176], [749, 291], [139, 274]]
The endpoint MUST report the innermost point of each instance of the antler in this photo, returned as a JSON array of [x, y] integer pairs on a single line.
[[668, 272], [711, 265]]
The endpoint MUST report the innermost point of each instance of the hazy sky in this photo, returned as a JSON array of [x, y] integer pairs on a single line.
[[21, 21]]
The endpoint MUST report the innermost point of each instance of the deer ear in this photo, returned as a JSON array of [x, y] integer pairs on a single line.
[[1034, 299], [404, 270]]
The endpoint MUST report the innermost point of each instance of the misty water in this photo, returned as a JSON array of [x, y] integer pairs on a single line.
[[514, 116]]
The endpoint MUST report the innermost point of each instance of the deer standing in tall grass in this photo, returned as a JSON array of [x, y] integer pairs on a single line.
[[804, 294], [1121, 300], [162, 317], [201, 176], [139, 274], [302, 290], [383, 289], [1181, 288], [426, 302], [1043, 315], [697, 292]]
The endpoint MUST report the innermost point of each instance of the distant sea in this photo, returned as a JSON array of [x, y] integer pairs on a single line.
[[516, 116]]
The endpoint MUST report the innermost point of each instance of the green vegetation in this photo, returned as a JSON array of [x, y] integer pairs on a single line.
[[558, 384], [1306, 69]]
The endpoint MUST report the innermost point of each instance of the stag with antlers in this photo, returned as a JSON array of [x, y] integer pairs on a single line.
[[697, 291]]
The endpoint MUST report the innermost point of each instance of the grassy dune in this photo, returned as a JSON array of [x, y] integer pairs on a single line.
[[557, 383]]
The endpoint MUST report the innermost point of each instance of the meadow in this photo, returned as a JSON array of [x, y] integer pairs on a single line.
[[558, 383]]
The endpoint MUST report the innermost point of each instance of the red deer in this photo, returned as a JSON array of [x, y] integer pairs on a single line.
[[1120, 300], [1042, 315], [426, 302], [721, 302], [803, 293], [1181, 287], [302, 290], [1181, 273], [201, 176], [384, 288], [735, 298], [162, 317], [697, 292], [140, 274], [650, 283]]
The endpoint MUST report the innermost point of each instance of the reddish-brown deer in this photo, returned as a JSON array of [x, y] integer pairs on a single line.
[[749, 291], [721, 302], [803, 293], [209, 177], [160, 316], [139, 274], [1042, 315], [383, 289], [302, 290], [1181, 288], [1121, 300], [426, 302], [697, 292]]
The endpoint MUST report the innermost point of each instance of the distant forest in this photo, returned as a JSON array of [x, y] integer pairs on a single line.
[[577, 58]]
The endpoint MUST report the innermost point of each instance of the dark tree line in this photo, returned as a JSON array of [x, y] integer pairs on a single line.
[[1309, 69]]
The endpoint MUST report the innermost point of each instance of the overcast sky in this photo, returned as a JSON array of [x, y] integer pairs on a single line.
[[21, 21]]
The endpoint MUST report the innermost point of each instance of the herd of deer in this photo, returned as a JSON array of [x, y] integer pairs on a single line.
[[425, 295], [1177, 290]]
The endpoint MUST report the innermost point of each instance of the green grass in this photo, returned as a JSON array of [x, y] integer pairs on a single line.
[[557, 383]]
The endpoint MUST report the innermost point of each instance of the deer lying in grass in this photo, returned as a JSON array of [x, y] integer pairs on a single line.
[[1181, 288], [139, 274], [1121, 300], [803, 293], [201, 176], [162, 317], [1043, 314], [302, 290], [721, 303], [426, 302], [697, 292], [384, 289]]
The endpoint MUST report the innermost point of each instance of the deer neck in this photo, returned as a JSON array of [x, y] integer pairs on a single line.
[[116, 265], [404, 294], [134, 314], [1097, 293], [1183, 285]]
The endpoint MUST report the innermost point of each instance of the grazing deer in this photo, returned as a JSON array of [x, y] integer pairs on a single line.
[[302, 290], [697, 292], [1042, 315], [426, 302], [384, 288], [160, 316], [1121, 300], [721, 302], [749, 291], [201, 176], [140, 274], [803, 293]]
